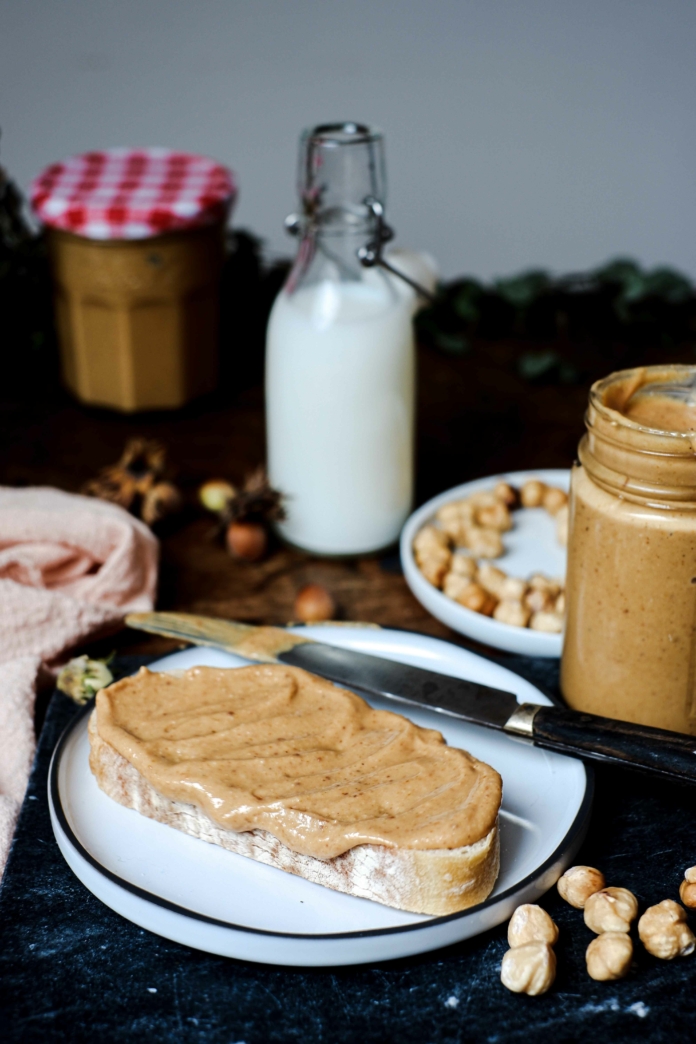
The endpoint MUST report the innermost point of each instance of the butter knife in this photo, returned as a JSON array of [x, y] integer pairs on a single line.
[[671, 755]]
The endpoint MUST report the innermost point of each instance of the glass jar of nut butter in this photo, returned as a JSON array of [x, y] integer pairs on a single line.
[[630, 642]]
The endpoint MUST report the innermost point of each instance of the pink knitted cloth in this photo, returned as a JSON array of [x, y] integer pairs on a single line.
[[70, 568]]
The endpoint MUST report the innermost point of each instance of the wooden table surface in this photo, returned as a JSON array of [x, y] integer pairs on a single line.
[[476, 416]]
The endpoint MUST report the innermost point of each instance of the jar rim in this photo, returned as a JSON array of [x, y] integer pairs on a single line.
[[337, 135], [634, 379]]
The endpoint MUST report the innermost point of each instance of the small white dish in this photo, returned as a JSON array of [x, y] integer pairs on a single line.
[[202, 896], [530, 547]]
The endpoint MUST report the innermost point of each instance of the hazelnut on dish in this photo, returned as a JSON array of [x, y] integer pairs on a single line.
[[554, 499], [532, 493], [549, 622], [475, 597], [507, 494], [483, 542], [496, 516], [510, 612]]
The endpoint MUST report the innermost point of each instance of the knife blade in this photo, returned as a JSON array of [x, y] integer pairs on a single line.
[[671, 755]]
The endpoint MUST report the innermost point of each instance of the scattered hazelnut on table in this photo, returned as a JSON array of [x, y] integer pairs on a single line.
[[314, 604], [687, 889], [529, 969], [610, 910], [664, 932], [609, 956], [532, 493], [578, 883], [247, 540], [530, 924], [216, 494]]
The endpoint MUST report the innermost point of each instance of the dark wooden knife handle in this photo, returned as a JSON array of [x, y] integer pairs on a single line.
[[669, 754]]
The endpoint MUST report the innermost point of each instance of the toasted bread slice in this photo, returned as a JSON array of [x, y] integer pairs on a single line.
[[428, 881]]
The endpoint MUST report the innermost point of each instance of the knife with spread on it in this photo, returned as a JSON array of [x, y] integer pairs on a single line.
[[671, 755]]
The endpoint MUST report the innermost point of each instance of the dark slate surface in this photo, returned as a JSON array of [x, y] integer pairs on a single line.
[[70, 969]]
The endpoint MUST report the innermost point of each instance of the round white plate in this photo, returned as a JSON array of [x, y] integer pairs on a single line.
[[530, 547], [202, 896]]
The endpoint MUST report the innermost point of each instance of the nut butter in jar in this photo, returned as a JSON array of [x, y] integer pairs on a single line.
[[630, 641], [136, 242]]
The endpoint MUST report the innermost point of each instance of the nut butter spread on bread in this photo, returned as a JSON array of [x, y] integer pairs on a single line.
[[277, 764]]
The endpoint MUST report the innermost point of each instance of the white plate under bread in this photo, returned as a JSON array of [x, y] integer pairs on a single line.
[[530, 547], [200, 895]]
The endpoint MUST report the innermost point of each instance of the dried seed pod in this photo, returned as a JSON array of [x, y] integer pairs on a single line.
[[529, 969], [532, 493], [514, 613], [609, 956], [549, 622], [687, 889], [216, 494], [530, 924], [664, 932], [314, 604], [247, 540], [554, 499], [578, 883], [610, 910]]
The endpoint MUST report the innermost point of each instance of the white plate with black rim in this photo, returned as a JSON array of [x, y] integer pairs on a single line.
[[530, 547], [203, 896]]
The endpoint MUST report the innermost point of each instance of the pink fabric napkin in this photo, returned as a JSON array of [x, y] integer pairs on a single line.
[[70, 568]]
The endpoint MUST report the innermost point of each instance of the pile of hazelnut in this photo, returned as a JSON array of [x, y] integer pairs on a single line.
[[529, 966], [448, 550]]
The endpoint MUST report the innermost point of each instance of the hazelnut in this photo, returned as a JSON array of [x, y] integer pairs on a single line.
[[514, 613], [484, 542], [463, 565], [482, 499], [550, 622], [687, 889], [579, 883], [247, 540], [513, 589], [496, 516], [432, 553], [475, 597], [455, 584], [491, 578], [554, 499], [664, 932], [562, 521], [539, 582], [539, 601], [530, 924], [610, 910], [430, 538], [314, 604], [529, 969], [560, 604], [609, 956], [532, 493], [452, 516], [507, 494], [216, 494]]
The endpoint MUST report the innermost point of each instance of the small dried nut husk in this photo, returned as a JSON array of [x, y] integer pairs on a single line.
[[609, 956], [216, 494], [496, 516], [532, 493], [530, 924], [578, 883], [687, 889], [463, 565], [477, 598], [513, 589], [529, 969], [554, 499], [610, 910], [491, 578], [484, 542], [664, 932], [548, 622], [247, 540], [562, 519], [314, 604], [514, 613], [161, 500], [507, 494]]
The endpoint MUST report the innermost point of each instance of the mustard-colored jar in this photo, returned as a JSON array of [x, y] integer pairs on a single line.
[[136, 242], [630, 643]]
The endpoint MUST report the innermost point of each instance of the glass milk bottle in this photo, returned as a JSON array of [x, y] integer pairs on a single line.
[[340, 360]]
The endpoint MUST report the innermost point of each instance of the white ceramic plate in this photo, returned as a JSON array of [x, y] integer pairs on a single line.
[[530, 547], [202, 896]]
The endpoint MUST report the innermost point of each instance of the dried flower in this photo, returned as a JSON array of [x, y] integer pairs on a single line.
[[136, 482], [82, 678]]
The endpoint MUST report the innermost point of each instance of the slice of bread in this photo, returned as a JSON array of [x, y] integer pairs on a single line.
[[427, 881]]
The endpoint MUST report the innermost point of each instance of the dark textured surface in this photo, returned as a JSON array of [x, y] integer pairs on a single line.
[[70, 969]]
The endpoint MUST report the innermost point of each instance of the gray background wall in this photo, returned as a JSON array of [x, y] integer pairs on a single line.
[[519, 132]]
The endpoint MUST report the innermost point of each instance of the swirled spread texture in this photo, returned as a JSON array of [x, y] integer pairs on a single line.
[[275, 748]]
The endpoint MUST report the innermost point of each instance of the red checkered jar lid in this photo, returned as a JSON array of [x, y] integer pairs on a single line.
[[132, 193]]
